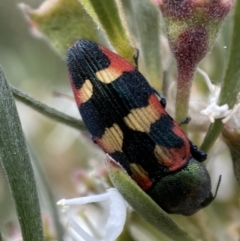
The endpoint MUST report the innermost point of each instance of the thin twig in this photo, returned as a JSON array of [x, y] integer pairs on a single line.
[[46, 110]]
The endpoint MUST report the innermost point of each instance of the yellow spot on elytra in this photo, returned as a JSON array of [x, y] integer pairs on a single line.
[[108, 75], [85, 93], [112, 139], [141, 119], [141, 176], [162, 155]]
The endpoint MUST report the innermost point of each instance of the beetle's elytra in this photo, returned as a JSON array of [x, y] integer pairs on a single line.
[[127, 119]]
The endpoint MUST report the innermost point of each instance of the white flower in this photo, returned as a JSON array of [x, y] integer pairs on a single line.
[[116, 219], [213, 110]]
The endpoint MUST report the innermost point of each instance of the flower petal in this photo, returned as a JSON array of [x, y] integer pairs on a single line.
[[116, 219], [117, 215]]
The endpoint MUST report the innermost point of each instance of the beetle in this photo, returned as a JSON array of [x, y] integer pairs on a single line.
[[127, 119]]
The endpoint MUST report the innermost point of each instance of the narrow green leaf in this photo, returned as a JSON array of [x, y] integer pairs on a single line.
[[46, 110], [1, 237], [108, 15], [231, 83], [143, 204], [17, 166], [145, 19]]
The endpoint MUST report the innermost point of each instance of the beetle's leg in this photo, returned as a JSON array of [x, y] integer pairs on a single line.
[[162, 99], [185, 121], [196, 153], [136, 57]]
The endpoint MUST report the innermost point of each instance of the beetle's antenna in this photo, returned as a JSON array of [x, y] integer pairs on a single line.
[[208, 200], [218, 185]]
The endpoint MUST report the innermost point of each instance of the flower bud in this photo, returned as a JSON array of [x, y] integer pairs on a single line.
[[192, 26]]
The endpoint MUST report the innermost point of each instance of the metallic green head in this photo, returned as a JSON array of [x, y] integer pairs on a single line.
[[185, 191]]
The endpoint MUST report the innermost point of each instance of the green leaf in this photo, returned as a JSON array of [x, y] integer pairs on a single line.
[[17, 166], [62, 23], [144, 19], [231, 83], [109, 16], [143, 204]]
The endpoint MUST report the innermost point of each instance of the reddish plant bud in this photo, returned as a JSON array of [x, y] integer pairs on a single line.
[[219, 9], [189, 49], [176, 8], [192, 27]]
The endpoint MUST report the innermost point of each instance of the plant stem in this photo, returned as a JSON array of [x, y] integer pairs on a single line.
[[46, 110], [231, 83], [184, 84], [213, 133]]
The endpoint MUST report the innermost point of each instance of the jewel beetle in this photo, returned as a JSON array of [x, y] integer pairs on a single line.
[[127, 119]]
